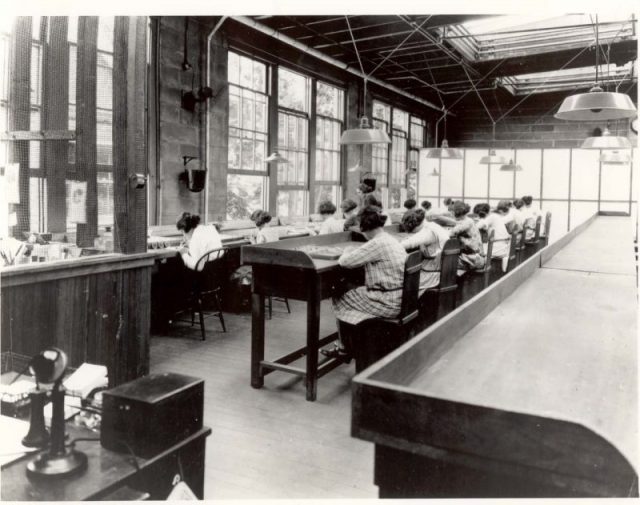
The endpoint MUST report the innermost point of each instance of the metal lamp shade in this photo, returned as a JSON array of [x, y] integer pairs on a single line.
[[615, 158], [511, 167], [606, 141], [493, 159], [445, 152], [596, 105], [276, 158], [364, 135]]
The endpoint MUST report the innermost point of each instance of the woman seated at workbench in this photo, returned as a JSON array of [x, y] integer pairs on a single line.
[[330, 223], [472, 256], [350, 212], [264, 234], [198, 239], [426, 238], [383, 259], [495, 221]]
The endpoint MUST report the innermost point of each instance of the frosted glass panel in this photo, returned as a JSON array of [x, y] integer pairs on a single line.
[[528, 180], [427, 183], [555, 176], [559, 218], [615, 182], [585, 165], [476, 175], [581, 211], [502, 181], [451, 175]]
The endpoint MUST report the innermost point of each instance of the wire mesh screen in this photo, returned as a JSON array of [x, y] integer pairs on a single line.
[[56, 120]]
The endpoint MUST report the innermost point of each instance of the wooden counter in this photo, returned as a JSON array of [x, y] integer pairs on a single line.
[[537, 399], [95, 308]]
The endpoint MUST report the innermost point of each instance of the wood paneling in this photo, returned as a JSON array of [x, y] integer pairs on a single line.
[[129, 135], [86, 119], [100, 317]]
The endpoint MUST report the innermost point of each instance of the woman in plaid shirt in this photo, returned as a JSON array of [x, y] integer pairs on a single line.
[[383, 259]]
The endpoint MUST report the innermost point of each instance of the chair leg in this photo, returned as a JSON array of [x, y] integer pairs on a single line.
[[219, 307], [286, 302], [201, 315]]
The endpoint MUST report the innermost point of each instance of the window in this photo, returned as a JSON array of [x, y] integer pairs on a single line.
[[380, 152], [329, 126], [293, 142], [417, 130], [248, 120]]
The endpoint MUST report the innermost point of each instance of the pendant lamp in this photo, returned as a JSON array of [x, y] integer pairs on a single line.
[[365, 134], [434, 173], [606, 141], [615, 158], [596, 105], [276, 157], [445, 152], [492, 158], [511, 167]]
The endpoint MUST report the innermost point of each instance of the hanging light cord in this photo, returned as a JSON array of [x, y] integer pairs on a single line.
[[364, 96]]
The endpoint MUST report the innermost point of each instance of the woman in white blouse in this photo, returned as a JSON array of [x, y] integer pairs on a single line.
[[199, 239]]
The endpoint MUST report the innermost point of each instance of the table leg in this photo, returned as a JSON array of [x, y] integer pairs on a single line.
[[257, 339], [313, 335]]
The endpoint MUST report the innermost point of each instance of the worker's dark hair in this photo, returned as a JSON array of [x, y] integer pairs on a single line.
[[348, 205], [527, 199], [448, 201], [482, 209], [260, 217], [188, 222], [365, 188], [327, 208], [412, 219], [370, 218], [460, 208], [370, 199], [410, 203], [503, 205], [426, 204], [518, 203]]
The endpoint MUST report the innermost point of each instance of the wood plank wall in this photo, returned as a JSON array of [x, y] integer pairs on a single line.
[[100, 318]]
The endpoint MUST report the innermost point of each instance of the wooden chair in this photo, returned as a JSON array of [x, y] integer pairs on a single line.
[[547, 227], [206, 283], [375, 338], [536, 236], [445, 292], [520, 244], [487, 264]]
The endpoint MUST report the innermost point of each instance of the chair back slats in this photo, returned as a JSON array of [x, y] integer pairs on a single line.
[[513, 254], [411, 286], [208, 270], [547, 226], [449, 265], [487, 263], [536, 237]]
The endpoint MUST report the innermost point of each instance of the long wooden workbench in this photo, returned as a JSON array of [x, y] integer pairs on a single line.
[[537, 399]]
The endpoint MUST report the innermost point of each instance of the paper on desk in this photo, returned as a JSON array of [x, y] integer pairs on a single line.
[[85, 379], [13, 431]]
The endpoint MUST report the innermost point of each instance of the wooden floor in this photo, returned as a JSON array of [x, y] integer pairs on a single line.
[[271, 442]]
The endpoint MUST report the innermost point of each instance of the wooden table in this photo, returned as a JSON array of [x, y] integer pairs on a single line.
[[112, 475], [538, 400], [281, 269]]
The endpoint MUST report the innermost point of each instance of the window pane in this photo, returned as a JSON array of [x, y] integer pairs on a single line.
[[399, 158], [400, 120], [381, 111], [330, 101], [245, 193], [293, 90], [322, 192], [379, 153], [291, 203], [293, 145], [328, 153]]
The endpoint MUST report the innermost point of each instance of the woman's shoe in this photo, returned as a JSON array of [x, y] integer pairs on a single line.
[[338, 353]]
